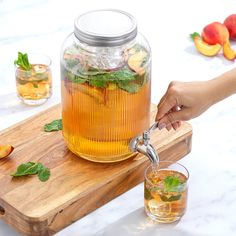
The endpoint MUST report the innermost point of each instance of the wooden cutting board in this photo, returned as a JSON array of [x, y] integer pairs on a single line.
[[76, 186]]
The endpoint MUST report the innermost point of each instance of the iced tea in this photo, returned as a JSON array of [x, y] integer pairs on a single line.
[[33, 83], [165, 193], [103, 109]]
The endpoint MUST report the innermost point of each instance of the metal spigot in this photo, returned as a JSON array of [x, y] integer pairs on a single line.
[[142, 144]]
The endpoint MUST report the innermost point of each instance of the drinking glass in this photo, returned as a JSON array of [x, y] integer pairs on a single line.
[[165, 191], [34, 86]]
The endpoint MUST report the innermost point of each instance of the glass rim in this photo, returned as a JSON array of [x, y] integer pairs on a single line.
[[36, 54], [170, 162]]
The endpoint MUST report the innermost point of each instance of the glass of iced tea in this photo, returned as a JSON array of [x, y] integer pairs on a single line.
[[33, 78], [165, 191]]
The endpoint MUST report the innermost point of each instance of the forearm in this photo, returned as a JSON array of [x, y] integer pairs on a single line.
[[223, 86]]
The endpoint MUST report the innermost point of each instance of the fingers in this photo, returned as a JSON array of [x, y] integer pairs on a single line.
[[172, 119], [167, 103], [175, 125]]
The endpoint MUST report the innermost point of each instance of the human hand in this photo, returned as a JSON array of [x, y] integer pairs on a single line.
[[183, 101]]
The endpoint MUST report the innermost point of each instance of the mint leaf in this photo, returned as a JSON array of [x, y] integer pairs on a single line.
[[78, 80], [44, 174], [99, 81], [74, 78], [173, 184], [129, 87], [122, 78], [53, 126], [23, 61], [123, 74], [40, 167], [171, 198], [194, 35], [24, 169], [32, 168], [70, 62]]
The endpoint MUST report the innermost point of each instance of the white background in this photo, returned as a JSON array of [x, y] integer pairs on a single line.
[[41, 26]]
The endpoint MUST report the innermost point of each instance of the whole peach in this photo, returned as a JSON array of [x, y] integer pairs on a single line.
[[215, 33], [230, 23]]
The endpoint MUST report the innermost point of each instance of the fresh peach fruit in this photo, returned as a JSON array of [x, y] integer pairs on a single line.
[[5, 150], [204, 48], [215, 33], [229, 53], [230, 23]]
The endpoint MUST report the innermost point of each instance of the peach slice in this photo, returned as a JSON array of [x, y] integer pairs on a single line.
[[229, 53], [135, 62], [5, 150], [204, 48]]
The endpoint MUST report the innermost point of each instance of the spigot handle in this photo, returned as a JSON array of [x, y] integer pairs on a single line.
[[144, 138], [142, 144], [153, 127]]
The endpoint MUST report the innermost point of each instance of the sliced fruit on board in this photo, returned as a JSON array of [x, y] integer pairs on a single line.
[[204, 48], [5, 150], [229, 53]]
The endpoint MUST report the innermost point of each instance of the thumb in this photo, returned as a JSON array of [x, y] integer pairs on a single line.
[[173, 117]]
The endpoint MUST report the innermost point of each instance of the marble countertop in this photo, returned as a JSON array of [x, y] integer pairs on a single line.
[[42, 25]]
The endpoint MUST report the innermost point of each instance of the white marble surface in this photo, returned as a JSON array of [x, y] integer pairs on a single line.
[[42, 25]]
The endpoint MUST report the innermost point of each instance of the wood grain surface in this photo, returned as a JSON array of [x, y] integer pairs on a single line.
[[76, 186]]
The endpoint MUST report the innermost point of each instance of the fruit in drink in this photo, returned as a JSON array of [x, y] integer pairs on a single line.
[[34, 84]]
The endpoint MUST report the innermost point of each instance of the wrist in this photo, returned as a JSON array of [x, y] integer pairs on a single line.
[[222, 86]]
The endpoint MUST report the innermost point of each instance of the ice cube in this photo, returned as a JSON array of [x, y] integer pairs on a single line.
[[39, 68], [159, 207]]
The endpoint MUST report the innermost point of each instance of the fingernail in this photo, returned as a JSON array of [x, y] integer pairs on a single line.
[[161, 126]]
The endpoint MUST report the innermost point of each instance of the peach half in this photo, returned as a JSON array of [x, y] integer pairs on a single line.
[[215, 33], [230, 23]]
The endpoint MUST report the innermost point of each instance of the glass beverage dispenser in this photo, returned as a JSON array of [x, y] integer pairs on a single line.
[[105, 84]]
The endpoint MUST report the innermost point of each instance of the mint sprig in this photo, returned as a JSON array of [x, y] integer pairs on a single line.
[[23, 61], [125, 79], [194, 35], [32, 168], [44, 174], [173, 184], [55, 125]]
